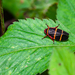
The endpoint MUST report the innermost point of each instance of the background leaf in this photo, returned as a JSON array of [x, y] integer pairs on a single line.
[[51, 13], [31, 8], [62, 62]]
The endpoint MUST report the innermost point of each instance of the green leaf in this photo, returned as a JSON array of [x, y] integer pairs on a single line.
[[22, 50], [62, 62]]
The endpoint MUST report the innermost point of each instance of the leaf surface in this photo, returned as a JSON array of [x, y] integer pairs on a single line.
[[22, 50]]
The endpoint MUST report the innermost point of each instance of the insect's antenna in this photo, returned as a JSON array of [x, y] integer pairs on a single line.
[[46, 23], [47, 26], [58, 24]]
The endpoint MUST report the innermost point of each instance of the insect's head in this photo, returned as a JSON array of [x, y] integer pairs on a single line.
[[45, 31]]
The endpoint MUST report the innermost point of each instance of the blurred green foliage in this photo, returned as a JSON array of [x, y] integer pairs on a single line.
[[29, 8], [51, 13]]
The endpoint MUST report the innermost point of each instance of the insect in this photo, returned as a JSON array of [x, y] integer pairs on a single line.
[[56, 34]]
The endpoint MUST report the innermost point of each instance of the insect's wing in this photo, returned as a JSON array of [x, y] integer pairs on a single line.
[[51, 32], [65, 33], [59, 32]]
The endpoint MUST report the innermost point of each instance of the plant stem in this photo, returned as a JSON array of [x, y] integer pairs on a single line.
[[2, 17]]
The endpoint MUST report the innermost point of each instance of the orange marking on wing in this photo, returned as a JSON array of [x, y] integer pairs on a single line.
[[61, 36], [47, 30], [55, 33]]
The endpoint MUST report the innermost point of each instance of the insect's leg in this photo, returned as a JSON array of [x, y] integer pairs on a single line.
[[57, 26], [51, 38], [44, 37]]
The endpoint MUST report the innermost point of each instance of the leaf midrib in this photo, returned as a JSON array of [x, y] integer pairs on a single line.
[[37, 47]]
